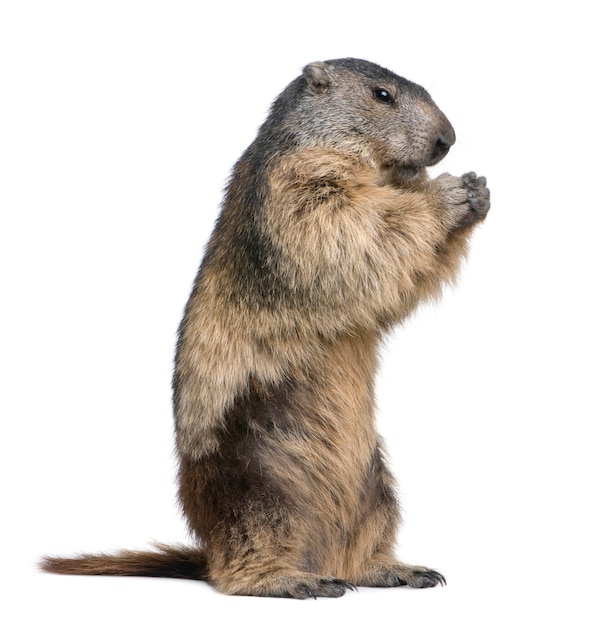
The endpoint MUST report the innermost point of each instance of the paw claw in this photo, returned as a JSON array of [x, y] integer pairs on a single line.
[[422, 579], [321, 588]]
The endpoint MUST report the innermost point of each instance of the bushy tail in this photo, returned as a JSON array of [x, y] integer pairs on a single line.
[[164, 562]]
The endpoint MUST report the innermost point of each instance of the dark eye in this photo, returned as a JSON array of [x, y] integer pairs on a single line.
[[382, 95]]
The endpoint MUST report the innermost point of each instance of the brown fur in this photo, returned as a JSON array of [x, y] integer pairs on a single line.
[[330, 233]]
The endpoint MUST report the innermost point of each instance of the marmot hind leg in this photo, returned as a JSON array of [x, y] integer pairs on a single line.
[[253, 535], [376, 538], [260, 555]]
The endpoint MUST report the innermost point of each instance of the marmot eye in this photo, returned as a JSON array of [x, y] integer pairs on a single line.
[[382, 95]]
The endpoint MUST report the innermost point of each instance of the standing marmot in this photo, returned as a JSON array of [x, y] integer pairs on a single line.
[[330, 233]]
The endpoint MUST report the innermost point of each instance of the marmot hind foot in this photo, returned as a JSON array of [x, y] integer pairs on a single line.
[[298, 585], [399, 574]]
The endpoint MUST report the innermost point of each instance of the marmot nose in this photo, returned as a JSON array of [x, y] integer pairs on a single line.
[[445, 140]]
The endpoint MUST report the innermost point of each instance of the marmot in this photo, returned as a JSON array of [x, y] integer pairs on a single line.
[[330, 233]]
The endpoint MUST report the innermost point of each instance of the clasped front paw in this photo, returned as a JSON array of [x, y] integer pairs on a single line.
[[466, 199], [478, 198]]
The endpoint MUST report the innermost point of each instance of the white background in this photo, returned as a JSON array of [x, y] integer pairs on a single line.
[[119, 123]]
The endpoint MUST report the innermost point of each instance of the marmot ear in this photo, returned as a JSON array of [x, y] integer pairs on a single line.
[[317, 76]]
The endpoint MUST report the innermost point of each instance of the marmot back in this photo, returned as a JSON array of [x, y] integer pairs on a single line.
[[330, 233]]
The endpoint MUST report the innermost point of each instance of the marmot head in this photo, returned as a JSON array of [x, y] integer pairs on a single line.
[[355, 105]]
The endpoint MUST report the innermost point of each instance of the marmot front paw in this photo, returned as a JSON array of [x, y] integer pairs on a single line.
[[478, 198], [467, 198]]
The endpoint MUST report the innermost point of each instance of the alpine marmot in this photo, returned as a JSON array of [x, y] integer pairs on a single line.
[[330, 233]]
